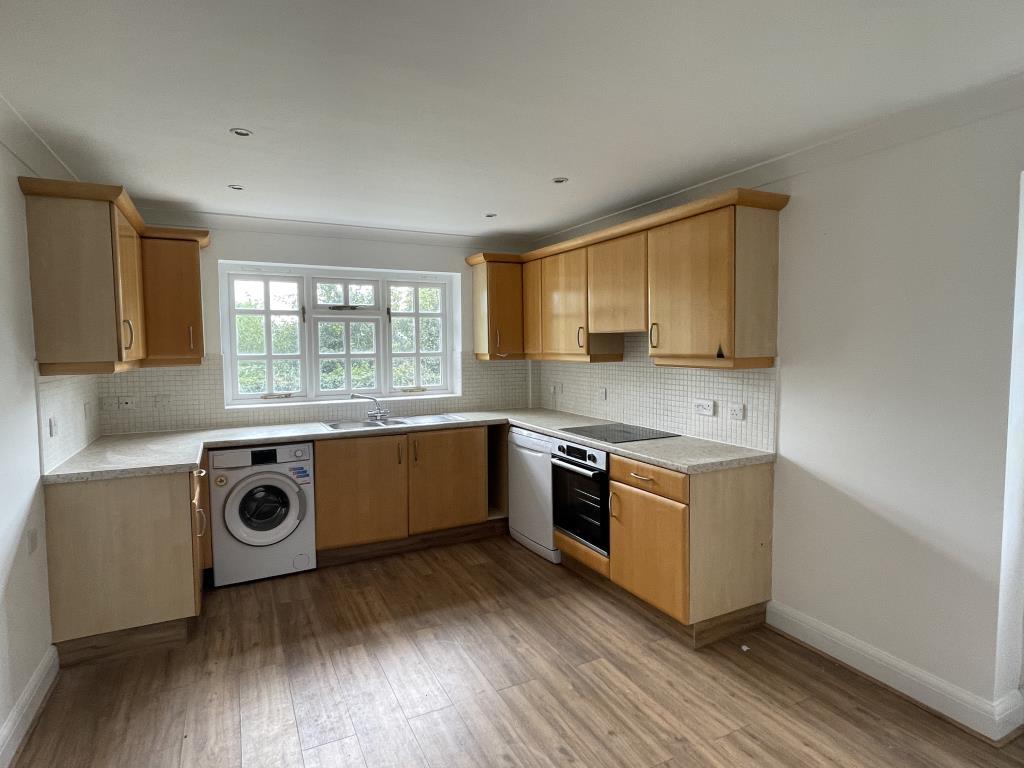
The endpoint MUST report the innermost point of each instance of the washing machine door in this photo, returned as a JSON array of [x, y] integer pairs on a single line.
[[264, 508]]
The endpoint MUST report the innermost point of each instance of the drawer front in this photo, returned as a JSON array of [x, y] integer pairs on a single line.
[[647, 477]]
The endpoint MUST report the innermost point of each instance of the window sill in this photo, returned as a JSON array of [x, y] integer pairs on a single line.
[[256, 404]]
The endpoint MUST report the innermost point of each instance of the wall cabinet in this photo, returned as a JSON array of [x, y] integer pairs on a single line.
[[565, 331], [713, 289], [362, 490], [173, 301], [498, 310], [447, 479], [120, 554], [89, 306], [533, 309], [85, 267], [617, 285]]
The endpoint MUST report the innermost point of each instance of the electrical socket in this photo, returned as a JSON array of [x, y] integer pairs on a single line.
[[604, 393], [126, 403], [703, 407], [109, 403], [737, 411], [162, 401], [51, 425]]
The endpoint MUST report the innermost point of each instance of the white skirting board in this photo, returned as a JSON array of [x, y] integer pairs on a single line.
[[27, 706], [994, 719]]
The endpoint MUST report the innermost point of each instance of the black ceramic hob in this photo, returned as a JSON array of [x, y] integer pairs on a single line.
[[618, 433]]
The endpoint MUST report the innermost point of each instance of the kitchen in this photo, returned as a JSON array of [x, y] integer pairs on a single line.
[[662, 486]]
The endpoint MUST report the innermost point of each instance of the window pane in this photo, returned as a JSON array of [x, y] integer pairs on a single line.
[[403, 334], [403, 372], [251, 335], [284, 295], [284, 334], [330, 293], [362, 339], [332, 375], [248, 294], [401, 298], [364, 374], [361, 295], [252, 377], [430, 334], [286, 376], [331, 334], [430, 371], [430, 299]]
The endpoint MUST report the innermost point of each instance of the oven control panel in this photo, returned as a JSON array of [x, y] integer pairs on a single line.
[[581, 454]]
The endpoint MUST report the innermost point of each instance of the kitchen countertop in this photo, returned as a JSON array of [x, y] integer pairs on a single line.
[[156, 453]]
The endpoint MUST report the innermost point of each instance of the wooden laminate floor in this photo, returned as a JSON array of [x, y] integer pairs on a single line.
[[478, 654]]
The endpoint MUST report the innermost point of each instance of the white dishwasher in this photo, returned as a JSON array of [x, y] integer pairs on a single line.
[[529, 492]]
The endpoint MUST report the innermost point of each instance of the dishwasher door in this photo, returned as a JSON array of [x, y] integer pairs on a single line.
[[529, 493]]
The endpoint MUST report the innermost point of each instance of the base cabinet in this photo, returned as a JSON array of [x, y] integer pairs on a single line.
[[650, 548], [362, 490], [447, 479], [119, 554]]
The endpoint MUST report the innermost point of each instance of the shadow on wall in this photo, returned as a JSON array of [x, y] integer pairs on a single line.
[[834, 556]]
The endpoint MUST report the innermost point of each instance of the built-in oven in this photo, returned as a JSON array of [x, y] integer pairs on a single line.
[[579, 493]]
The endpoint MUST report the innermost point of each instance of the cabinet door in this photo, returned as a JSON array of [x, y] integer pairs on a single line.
[[564, 308], [173, 302], [200, 535], [447, 479], [498, 310], [691, 286], [650, 548], [532, 307], [128, 288], [362, 490], [617, 285]]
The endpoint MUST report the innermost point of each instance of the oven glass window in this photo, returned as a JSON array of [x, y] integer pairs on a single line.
[[263, 508], [581, 505]]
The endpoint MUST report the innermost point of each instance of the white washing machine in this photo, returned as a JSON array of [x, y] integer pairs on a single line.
[[263, 516]]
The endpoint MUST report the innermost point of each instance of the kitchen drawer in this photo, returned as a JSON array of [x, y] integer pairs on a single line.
[[646, 477]]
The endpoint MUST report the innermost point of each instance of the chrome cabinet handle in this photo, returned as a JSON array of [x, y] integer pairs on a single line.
[[415, 450], [498, 352], [611, 505], [191, 339], [201, 514], [131, 333], [399, 453], [579, 343], [641, 477], [650, 336]]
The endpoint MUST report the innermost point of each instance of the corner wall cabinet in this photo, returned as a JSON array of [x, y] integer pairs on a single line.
[[174, 302], [700, 280], [498, 309], [87, 271]]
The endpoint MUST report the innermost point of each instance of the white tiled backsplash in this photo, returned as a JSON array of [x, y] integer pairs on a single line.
[[639, 392], [193, 398], [73, 402]]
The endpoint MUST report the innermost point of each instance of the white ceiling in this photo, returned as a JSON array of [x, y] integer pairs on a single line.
[[425, 114]]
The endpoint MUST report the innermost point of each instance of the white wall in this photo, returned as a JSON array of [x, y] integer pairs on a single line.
[[895, 510], [27, 660]]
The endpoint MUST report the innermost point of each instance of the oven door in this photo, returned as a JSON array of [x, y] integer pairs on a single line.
[[580, 502]]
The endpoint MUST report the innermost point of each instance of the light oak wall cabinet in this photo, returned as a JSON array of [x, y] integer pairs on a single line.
[[565, 324], [497, 309], [173, 300], [617, 285], [89, 303]]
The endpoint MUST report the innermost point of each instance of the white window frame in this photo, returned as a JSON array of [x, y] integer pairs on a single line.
[[313, 312]]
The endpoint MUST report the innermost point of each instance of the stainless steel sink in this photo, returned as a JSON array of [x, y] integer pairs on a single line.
[[349, 426], [346, 426]]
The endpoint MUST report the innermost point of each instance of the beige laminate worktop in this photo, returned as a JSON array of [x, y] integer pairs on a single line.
[[154, 453]]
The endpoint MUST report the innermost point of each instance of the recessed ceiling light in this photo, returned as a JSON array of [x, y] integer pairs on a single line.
[[490, 215], [236, 187], [243, 132], [559, 179]]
